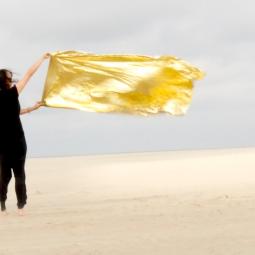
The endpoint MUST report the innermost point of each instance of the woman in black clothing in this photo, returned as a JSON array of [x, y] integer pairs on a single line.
[[13, 145]]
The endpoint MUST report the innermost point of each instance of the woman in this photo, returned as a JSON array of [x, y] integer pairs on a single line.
[[13, 146]]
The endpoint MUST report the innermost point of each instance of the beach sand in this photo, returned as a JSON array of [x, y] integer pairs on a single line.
[[179, 202]]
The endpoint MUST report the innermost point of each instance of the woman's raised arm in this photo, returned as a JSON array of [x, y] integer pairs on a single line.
[[22, 83]]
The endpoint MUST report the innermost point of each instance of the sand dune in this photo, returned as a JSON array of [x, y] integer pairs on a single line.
[[185, 202]]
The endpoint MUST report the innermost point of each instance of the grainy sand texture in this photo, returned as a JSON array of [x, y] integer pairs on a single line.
[[162, 203]]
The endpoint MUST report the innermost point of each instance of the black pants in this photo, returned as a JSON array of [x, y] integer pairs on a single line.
[[13, 158]]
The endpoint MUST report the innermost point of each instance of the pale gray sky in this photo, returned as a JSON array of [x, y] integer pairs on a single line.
[[216, 36]]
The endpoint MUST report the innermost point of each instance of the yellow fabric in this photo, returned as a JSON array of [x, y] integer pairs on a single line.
[[119, 83]]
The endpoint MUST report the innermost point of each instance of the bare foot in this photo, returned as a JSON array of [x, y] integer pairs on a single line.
[[21, 212], [5, 213]]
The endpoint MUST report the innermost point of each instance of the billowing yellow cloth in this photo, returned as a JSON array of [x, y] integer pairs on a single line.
[[119, 83]]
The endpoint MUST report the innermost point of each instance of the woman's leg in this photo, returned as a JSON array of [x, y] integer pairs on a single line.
[[18, 166], [5, 177], [20, 182]]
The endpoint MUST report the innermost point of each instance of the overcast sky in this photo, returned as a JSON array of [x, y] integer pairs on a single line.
[[216, 36]]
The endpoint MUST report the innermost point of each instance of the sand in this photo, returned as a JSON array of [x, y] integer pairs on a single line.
[[185, 202]]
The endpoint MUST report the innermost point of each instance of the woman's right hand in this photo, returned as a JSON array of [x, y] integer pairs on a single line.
[[46, 55]]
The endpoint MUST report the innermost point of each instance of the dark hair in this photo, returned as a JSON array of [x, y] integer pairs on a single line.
[[5, 79]]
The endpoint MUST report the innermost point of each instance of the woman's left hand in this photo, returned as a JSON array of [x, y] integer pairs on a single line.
[[37, 105]]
